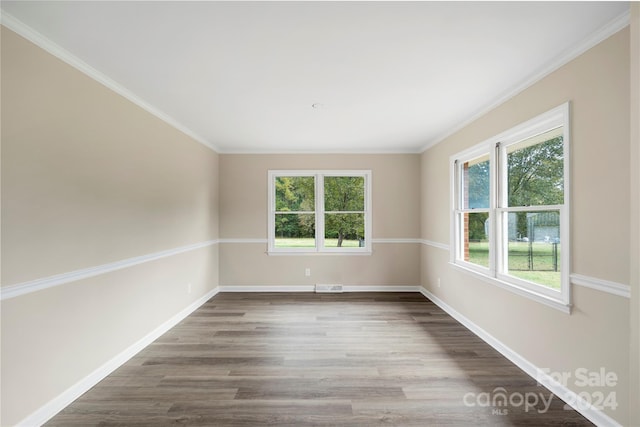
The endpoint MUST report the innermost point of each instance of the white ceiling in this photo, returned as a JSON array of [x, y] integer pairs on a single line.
[[390, 76]]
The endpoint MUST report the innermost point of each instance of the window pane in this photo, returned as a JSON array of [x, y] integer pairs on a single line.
[[536, 170], [476, 183], [343, 193], [295, 231], [476, 238], [534, 247], [295, 194], [344, 230]]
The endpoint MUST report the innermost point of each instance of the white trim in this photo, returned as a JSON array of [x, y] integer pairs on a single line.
[[23, 288], [59, 52], [319, 212], [312, 288], [580, 405], [391, 240], [248, 240], [380, 288], [43, 42], [613, 288], [607, 286], [373, 240], [394, 240], [326, 253], [267, 288], [51, 408], [599, 36], [405, 150], [438, 245], [518, 290], [496, 147]]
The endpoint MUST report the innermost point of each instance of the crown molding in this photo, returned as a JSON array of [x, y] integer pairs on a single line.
[[416, 150], [570, 54], [64, 55]]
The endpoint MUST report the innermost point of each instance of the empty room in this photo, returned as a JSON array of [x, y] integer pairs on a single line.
[[320, 213]]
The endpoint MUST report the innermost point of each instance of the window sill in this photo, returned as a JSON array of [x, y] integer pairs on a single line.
[[527, 293], [315, 253]]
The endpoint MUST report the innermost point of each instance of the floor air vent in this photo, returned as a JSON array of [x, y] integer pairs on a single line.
[[328, 288]]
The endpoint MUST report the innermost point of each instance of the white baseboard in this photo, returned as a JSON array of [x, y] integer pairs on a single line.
[[267, 288], [51, 408], [47, 411], [593, 414], [312, 288], [381, 288]]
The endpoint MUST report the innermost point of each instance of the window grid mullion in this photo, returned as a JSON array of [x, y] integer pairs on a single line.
[[494, 221], [319, 183], [293, 212], [500, 254], [318, 212], [499, 228], [531, 208]]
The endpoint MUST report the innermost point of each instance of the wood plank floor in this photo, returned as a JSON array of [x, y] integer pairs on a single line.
[[353, 359]]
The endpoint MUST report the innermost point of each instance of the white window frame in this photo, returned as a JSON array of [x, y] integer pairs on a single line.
[[498, 210], [319, 212]]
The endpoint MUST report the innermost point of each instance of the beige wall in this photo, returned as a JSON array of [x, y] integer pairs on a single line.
[[396, 214], [634, 253], [596, 333], [88, 179]]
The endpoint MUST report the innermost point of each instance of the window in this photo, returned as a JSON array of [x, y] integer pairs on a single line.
[[510, 209], [319, 211]]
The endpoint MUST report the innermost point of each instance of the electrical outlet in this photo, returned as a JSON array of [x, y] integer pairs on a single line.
[[438, 282], [188, 288], [307, 272]]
